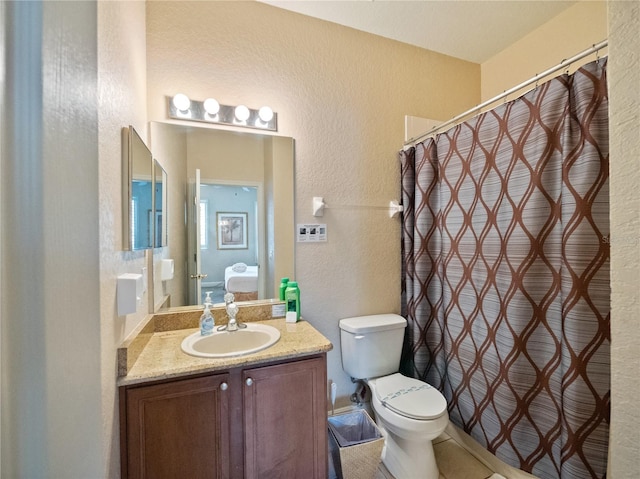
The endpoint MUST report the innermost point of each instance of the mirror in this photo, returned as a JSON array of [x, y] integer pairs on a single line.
[[160, 205], [137, 188], [230, 195]]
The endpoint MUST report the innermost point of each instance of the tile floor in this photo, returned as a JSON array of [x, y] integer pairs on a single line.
[[453, 461]]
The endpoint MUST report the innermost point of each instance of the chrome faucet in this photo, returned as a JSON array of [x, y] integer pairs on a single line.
[[232, 310], [228, 299]]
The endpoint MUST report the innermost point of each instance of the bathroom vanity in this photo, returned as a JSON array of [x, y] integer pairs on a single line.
[[256, 416]]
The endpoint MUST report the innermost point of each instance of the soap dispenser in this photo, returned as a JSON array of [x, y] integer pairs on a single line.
[[206, 321], [207, 299]]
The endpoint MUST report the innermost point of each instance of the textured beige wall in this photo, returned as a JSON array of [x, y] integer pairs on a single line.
[[624, 122], [122, 102], [342, 94], [571, 32]]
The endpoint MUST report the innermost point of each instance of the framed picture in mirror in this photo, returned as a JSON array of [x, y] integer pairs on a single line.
[[232, 230]]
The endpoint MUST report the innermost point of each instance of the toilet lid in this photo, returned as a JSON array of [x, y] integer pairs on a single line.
[[410, 397]]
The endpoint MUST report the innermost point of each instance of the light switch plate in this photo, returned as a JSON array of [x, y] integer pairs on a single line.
[[312, 233]]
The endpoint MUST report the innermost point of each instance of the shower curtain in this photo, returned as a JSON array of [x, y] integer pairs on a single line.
[[505, 246]]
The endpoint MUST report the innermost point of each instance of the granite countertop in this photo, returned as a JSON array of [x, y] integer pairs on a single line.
[[162, 357]]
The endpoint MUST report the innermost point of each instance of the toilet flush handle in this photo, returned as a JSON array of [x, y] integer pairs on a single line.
[[358, 336]]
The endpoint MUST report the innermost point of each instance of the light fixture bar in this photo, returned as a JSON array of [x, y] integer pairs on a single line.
[[226, 115]]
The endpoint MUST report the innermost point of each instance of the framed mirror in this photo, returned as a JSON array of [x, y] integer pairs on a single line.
[[137, 187], [231, 195]]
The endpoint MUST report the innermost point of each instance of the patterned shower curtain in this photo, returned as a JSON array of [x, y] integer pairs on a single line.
[[506, 275]]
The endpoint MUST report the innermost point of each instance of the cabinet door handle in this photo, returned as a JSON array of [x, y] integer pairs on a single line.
[[224, 386], [249, 382]]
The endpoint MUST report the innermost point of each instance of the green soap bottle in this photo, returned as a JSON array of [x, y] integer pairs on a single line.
[[292, 298], [283, 287]]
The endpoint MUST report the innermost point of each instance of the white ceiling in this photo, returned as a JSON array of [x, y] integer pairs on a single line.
[[473, 30]]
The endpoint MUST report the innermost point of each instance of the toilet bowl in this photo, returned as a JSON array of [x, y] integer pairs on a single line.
[[409, 412]]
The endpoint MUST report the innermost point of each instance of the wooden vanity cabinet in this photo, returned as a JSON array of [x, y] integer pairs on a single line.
[[176, 429], [285, 420], [262, 422]]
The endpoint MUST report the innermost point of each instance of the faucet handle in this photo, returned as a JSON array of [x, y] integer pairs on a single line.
[[228, 298]]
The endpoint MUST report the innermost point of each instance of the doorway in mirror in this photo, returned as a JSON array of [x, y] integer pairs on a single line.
[[228, 238]]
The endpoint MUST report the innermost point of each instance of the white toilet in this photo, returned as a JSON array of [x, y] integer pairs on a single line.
[[410, 413]]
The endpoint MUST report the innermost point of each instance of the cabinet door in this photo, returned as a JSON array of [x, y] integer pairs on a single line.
[[178, 429], [285, 408]]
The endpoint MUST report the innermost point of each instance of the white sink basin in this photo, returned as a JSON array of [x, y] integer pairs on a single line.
[[222, 344]]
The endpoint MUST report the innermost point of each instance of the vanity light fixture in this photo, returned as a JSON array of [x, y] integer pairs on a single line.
[[211, 106], [181, 102], [180, 107], [242, 113], [266, 114]]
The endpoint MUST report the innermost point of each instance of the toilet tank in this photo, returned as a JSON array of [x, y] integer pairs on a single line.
[[371, 345]]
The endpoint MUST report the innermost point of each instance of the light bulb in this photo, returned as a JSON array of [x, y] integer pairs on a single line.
[[242, 113], [265, 114], [211, 106], [181, 102]]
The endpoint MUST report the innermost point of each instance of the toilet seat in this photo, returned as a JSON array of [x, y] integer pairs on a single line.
[[410, 397]]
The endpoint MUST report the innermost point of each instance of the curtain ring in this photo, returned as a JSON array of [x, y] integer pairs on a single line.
[[597, 54]]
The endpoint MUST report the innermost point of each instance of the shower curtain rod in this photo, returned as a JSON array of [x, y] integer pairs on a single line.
[[564, 63]]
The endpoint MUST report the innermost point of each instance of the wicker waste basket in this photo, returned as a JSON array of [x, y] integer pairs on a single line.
[[355, 445]]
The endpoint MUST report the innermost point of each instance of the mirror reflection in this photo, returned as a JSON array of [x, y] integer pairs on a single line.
[[160, 205], [231, 225], [138, 185]]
